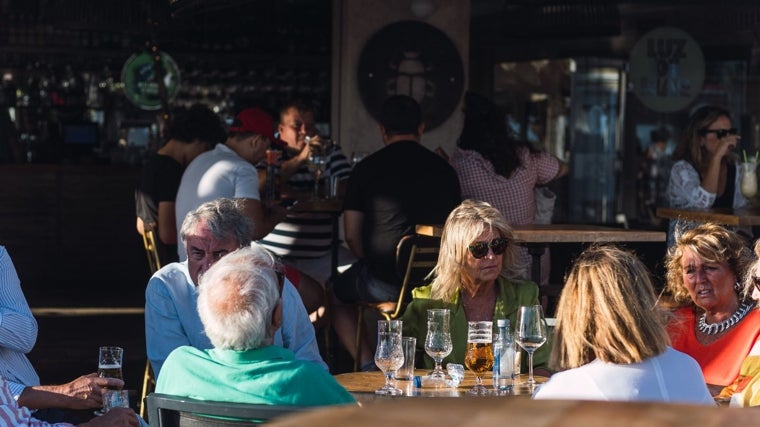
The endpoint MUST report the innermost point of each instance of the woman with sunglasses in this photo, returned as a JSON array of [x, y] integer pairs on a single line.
[[705, 173], [476, 277]]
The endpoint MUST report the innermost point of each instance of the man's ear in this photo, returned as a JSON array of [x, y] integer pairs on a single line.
[[420, 129], [277, 316]]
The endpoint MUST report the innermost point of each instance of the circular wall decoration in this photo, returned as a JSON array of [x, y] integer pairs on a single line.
[[416, 59], [140, 83], [667, 69]]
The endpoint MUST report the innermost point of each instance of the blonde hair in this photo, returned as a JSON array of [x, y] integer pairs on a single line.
[[607, 311], [463, 226], [713, 243]]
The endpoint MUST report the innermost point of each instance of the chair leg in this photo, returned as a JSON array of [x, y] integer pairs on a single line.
[[357, 345], [147, 387]]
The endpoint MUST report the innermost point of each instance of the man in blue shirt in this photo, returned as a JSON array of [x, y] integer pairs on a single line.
[[240, 306], [208, 233]]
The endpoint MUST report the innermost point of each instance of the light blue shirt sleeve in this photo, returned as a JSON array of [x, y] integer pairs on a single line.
[[171, 317], [18, 329], [297, 332]]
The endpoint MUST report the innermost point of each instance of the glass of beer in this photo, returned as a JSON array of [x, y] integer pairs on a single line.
[[479, 355], [109, 365]]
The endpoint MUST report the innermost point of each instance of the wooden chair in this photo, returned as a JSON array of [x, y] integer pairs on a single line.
[[154, 262], [149, 384], [149, 242], [174, 411], [416, 255]]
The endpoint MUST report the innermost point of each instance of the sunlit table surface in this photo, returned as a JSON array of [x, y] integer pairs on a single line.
[[726, 216], [363, 385]]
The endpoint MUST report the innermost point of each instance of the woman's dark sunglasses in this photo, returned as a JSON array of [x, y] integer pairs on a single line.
[[480, 249], [720, 133]]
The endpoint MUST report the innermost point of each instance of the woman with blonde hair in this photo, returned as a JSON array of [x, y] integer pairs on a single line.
[[610, 341], [714, 320], [476, 277]]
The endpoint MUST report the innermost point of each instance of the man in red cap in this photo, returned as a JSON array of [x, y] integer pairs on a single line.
[[228, 171]]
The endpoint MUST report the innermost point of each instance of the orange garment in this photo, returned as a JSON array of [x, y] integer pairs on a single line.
[[721, 360]]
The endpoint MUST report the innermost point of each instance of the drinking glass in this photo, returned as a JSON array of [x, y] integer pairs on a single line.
[[357, 156], [389, 355], [749, 179], [316, 165], [531, 333], [479, 355], [438, 340], [109, 365]]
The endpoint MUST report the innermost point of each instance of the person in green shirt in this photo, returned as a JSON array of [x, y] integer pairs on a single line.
[[240, 306], [477, 278]]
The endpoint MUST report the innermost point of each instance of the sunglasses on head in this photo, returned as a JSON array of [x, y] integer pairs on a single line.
[[720, 133], [480, 249]]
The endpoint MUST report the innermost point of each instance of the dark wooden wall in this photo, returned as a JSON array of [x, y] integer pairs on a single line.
[[70, 231]]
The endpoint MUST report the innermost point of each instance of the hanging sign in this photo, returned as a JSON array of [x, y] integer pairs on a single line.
[[667, 69], [140, 78]]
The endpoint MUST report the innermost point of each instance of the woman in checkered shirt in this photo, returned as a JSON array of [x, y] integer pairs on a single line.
[[495, 167]]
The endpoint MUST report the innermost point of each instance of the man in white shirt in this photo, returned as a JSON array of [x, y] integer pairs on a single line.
[[228, 171]]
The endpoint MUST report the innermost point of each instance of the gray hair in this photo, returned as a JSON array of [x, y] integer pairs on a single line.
[[223, 217], [236, 299]]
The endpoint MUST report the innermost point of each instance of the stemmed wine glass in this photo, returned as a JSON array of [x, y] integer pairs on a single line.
[[530, 334], [316, 165], [438, 341], [479, 355], [109, 365], [389, 355]]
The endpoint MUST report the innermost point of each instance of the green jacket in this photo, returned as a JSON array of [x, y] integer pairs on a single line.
[[512, 294]]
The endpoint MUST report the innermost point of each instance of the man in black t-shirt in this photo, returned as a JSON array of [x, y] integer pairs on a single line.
[[190, 132], [388, 194]]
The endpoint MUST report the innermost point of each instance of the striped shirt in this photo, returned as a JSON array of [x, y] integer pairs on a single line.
[[13, 415], [307, 235], [18, 330]]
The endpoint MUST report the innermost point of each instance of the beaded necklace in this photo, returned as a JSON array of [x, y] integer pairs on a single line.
[[716, 328]]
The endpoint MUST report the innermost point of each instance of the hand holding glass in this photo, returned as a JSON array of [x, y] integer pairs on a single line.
[[531, 333], [479, 355], [389, 355], [109, 365], [438, 340]]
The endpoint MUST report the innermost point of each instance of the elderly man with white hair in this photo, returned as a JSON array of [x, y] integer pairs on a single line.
[[240, 305]]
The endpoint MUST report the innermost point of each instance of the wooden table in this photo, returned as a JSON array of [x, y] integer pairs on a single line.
[[363, 385], [740, 217], [498, 411], [536, 237]]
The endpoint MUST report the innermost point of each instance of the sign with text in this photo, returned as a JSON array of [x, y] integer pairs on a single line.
[[667, 69]]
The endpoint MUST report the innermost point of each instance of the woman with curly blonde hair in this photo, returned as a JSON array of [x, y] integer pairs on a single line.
[[714, 321], [476, 277]]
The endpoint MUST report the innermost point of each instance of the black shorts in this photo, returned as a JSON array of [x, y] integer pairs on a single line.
[[358, 284]]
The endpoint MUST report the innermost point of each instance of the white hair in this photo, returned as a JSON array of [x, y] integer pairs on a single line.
[[236, 299]]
